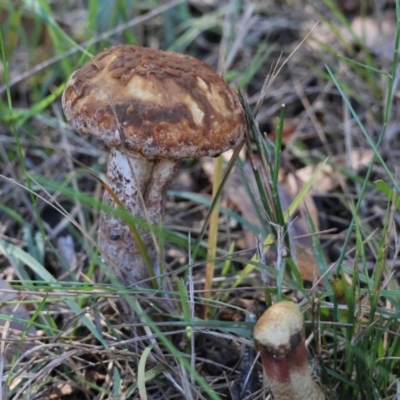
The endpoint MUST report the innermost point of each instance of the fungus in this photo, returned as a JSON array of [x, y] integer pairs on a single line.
[[279, 335], [153, 109]]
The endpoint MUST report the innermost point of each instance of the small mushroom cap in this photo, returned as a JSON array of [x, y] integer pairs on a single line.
[[160, 104], [280, 329]]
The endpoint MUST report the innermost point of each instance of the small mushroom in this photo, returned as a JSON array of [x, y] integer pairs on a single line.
[[279, 335], [153, 109]]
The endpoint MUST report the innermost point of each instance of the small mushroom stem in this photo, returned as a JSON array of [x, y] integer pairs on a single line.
[[279, 335], [129, 176]]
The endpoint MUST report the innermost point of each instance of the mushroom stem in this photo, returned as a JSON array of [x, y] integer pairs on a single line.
[[280, 337], [129, 176]]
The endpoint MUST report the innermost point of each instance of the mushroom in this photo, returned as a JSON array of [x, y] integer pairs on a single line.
[[279, 335], [153, 109]]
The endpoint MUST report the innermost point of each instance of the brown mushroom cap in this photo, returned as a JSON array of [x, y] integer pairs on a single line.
[[161, 104], [280, 329]]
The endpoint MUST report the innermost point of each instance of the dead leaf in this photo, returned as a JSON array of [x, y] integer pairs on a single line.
[[328, 178], [235, 192], [377, 34], [58, 391], [307, 263]]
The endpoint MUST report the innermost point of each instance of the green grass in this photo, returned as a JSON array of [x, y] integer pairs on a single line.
[[96, 337]]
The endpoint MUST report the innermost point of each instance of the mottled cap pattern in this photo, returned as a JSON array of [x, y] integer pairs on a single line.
[[155, 103]]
